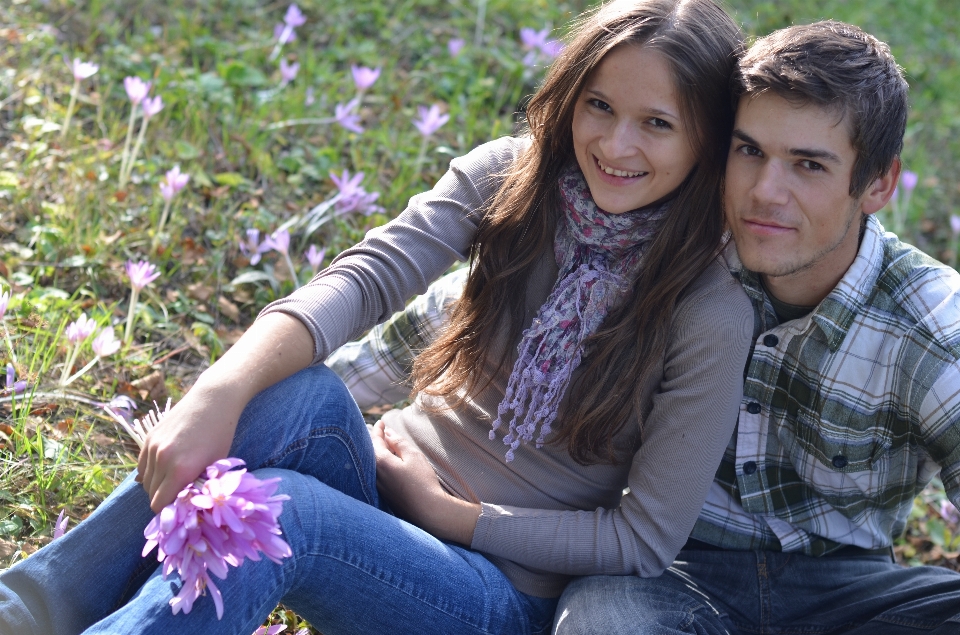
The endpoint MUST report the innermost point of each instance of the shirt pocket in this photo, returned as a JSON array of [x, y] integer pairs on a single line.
[[837, 459]]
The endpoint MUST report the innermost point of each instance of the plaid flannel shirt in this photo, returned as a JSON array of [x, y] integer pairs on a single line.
[[376, 369], [847, 413]]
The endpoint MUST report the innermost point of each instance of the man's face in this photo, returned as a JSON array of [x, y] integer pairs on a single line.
[[787, 196]]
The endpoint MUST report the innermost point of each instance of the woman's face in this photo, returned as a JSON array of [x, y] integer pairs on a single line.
[[628, 136]]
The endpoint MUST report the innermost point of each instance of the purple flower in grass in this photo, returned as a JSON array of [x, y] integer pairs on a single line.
[[954, 227], [105, 343], [120, 407], [81, 329], [345, 116], [136, 89], [215, 523], [363, 77], [271, 630], [12, 385], [430, 119], [353, 198], [284, 34], [315, 257], [552, 48], [533, 39], [141, 273], [294, 17], [455, 45], [173, 181], [61, 526], [151, 106], [949, 513], [278, 241], [288, 72], [252, 248], [909, 180], [82, 70]]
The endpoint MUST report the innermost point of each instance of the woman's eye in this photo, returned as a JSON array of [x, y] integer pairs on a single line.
[[660, 123], [602, 105]]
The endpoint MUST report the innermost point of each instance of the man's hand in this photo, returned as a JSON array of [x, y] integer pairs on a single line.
[[408, 482]]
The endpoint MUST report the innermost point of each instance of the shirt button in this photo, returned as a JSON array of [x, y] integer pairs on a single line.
[[839, 461], [749, 467], [770, 340], [753, 408]]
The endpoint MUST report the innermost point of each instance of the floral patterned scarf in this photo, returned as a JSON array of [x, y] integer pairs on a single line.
[[599, 255]]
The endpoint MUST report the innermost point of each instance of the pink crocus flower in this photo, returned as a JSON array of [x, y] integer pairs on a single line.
[[533, 39], [954, 227], [271, 630], [345, 116], [12, 385], [294, 17], [173, 181], [430, 119], [908, 180], [82, 70], [288, 72], [315, 257], [105, 343], [278, 241], [284, 34], [251, 247], [151, 106], [61, 526], [552, 48], [363, 77], [81, 329], [141, 273], [222, 521], [352, 197], [136, 89], [455, 45]]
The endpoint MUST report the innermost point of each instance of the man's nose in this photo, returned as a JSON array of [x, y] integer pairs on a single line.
[[770, 186]]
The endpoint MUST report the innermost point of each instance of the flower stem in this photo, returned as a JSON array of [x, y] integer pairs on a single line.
[[421, 155], [6, 338], [283, 36], [136, 149], [77, 375], [126, 145], [481, 18], [73, 102], [163, 221], [71, 358], [128, 332], [293, 272]]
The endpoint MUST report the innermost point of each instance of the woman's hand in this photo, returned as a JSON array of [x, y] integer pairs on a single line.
[[199, 430], [408, 482]]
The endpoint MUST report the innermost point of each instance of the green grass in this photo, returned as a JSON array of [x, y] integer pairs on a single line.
[[66, 229]]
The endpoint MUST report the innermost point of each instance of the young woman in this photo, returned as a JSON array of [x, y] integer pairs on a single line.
[[599, 344]]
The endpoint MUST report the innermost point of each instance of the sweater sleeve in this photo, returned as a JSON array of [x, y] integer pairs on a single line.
[[369, 282], [693, 415]]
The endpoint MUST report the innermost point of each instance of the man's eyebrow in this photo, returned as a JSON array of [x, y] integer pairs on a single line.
[[806, 153]]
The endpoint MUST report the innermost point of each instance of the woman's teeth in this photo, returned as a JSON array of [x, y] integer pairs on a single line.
[[613, 172]]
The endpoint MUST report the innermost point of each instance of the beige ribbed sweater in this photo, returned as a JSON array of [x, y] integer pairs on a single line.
[[545, 517]]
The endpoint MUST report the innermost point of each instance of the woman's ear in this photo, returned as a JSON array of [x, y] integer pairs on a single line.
[[880, 191]]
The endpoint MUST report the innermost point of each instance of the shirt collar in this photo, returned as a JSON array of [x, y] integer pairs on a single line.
[[837, 311]]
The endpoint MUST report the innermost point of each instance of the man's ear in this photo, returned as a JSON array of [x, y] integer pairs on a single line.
[[880, 191]]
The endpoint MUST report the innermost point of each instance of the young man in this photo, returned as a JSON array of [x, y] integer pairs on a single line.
[[852, 392]]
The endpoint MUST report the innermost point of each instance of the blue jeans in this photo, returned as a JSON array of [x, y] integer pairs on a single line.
[[766, 593], [355, 569]]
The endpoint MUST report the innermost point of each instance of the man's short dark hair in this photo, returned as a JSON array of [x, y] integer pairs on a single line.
[[839, 67]]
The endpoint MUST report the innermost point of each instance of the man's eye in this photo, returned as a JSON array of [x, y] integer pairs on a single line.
[[811, 165], [748, 150]]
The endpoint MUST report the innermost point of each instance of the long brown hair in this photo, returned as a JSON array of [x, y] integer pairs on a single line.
[[701, 44]]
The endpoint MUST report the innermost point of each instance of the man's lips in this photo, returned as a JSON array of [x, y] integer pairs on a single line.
[[765, 227]]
